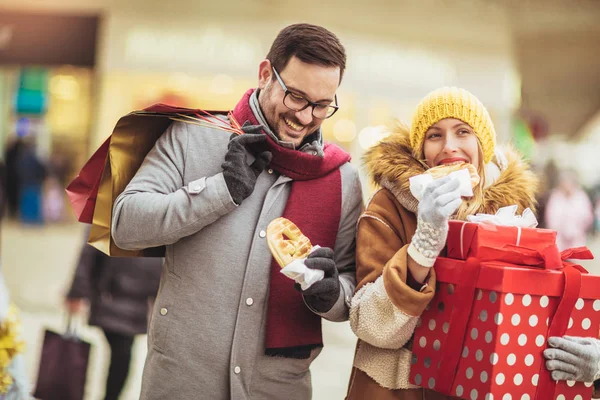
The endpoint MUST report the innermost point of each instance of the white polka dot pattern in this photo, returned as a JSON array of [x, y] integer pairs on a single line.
[[501, 350]]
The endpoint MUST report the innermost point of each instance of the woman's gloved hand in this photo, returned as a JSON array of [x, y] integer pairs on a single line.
[[573, 358], [440, 200]]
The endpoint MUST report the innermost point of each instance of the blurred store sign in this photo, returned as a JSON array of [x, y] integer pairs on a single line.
[[399, 66], [47, 39], [207, 48], [31, 96], [523, 138]]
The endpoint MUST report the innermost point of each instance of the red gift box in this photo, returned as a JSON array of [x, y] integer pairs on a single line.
[[465, 239], [483, 334]]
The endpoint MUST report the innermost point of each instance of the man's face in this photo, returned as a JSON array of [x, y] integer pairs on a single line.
[[313, 82]]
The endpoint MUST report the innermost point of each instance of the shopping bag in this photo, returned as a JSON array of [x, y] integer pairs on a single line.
[[132, 138], [82, 191], [63, 366]]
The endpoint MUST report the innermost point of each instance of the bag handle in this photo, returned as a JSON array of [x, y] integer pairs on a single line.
[[461, 313], [558, 326], [71, 330]]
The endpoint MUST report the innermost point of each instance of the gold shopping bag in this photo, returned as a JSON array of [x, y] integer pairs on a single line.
[[132, 138]]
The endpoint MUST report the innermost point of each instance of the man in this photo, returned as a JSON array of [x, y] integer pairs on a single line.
[[226, 323]]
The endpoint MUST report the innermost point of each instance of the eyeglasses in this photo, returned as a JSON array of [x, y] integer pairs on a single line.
[[296, 102]]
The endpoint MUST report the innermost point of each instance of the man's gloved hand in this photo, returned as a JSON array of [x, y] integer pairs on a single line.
[[573, 358], [322, 295], [239, 176], [440, 200]]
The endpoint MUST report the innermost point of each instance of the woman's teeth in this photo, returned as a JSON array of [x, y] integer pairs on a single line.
[[292, 125]]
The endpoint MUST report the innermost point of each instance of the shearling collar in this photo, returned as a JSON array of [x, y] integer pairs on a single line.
[[391, 163]]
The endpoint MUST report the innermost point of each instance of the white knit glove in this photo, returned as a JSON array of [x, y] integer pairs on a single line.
[[440, 200], [573, 358]]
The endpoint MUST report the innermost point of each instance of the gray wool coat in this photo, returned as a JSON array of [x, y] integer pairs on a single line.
[[206, 337]]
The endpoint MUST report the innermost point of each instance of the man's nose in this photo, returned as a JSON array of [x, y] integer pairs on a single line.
[[305, 116]]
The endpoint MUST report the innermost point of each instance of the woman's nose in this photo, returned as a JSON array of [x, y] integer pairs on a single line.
[[450, 145]]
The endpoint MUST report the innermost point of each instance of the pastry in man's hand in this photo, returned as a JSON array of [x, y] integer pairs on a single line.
[[286, 242]]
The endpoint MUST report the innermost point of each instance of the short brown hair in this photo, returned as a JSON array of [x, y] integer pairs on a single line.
[[311, 44]]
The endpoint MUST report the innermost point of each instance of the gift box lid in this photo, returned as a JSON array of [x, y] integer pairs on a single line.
[[465, 239]]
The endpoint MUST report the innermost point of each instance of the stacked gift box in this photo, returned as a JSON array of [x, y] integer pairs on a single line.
[[501, 292]]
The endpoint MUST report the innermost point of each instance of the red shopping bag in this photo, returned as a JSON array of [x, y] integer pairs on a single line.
[[116, 162], [82, 191]]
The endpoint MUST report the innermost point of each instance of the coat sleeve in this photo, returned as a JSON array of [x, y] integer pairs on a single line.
[[156, 208], [385, 309], [345, 244]]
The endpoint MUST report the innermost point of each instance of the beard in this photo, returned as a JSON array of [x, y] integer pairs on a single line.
[[276, 119]]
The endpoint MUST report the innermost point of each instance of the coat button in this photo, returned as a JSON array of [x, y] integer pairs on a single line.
[[262, 234], [314, 153], [237, 370], [270, 170], [249, 301], [163, 311]]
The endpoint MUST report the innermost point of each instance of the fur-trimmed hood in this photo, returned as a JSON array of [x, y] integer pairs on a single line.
[[509, 180]]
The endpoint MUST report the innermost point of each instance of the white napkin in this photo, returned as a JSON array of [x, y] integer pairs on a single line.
[[419, 183], [507, 216], [303, 275]]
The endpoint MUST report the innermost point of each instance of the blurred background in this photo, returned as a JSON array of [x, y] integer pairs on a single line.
[[70, 68]]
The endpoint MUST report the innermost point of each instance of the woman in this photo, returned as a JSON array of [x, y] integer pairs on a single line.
[[399, 238], [120, 291], [569, 212]]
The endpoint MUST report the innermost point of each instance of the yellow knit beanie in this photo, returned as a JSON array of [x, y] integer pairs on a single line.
[[452, 102]]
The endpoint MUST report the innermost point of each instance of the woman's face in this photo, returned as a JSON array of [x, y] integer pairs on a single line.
[[448, 141]]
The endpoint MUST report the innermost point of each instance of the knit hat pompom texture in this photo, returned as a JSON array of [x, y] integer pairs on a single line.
[[452, 102]]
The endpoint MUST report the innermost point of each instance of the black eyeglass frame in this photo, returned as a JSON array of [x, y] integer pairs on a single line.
[[308, 102]]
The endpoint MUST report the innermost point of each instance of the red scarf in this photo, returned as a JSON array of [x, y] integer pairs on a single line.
[[314, 204]]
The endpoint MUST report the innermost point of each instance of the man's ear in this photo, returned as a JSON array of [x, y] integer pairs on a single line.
[[265, 73]]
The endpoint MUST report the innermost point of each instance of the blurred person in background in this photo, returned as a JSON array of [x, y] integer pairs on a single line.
[[12, 184], [31, 173], [120, 292], [597, 213], [548, 181], [14, 383], [569, 212], [227, 324], [399, 237]]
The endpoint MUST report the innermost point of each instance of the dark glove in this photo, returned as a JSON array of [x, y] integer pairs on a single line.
[[322, 295], [239, 176]]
